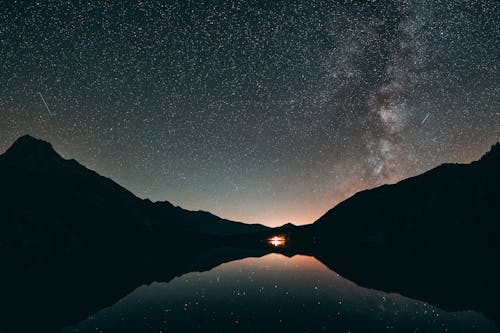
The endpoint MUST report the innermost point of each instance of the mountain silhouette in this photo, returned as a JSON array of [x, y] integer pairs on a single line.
[[73, 242], [434, 237], [46, 196]]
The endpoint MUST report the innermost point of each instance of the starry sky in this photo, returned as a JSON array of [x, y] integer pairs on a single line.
[[258, 111]]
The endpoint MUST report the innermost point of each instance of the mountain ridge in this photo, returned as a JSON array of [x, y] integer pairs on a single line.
[[428, 237], [40, 188], [493, 153], [27, 147]]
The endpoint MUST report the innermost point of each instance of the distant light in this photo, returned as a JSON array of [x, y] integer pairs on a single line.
[[277, 241]]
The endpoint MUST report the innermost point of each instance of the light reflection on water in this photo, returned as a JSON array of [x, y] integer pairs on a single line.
[[277, 241], [269, 294]]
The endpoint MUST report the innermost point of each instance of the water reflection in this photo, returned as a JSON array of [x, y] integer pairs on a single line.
[[273, 293]]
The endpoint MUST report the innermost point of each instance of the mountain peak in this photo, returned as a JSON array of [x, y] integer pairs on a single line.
[[288, 225], [29, 141], [27, 149]]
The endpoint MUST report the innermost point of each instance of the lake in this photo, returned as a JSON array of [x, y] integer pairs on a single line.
[[273, 293]]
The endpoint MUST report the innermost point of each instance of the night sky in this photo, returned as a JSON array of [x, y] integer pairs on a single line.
[[258, 111]]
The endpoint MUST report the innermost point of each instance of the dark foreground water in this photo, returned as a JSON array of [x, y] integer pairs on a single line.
[[273, 293]]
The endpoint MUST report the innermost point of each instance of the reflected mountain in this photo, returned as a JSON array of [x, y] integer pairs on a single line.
[[45, 292], [272, 293]]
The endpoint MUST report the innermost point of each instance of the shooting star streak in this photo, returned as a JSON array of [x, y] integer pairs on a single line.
[[45, 103], [427, 116]]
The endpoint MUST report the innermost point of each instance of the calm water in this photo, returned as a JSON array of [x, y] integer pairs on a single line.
[[273, 293]]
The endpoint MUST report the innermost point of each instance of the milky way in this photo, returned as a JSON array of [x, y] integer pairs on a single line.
[[257, 111]]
